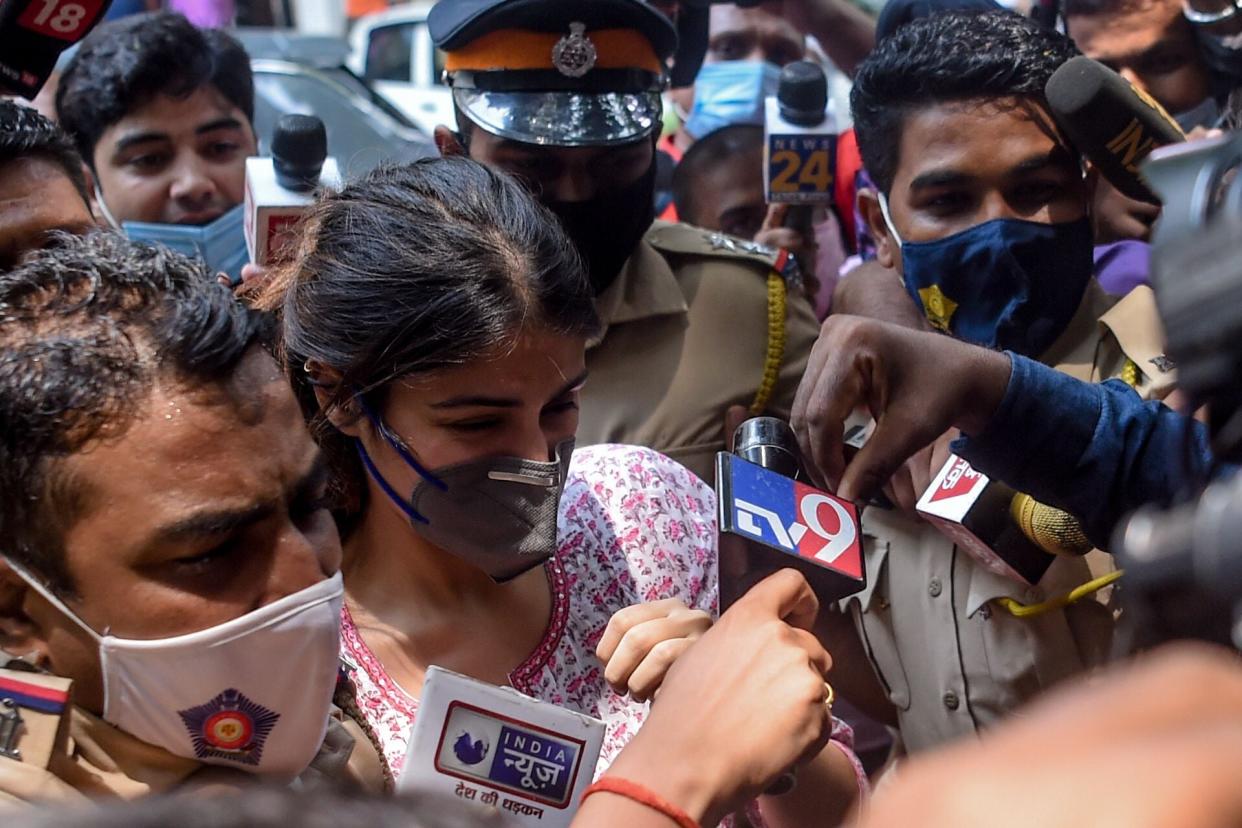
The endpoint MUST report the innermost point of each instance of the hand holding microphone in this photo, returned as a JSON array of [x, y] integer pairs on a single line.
[[741, 706], [916, 385]]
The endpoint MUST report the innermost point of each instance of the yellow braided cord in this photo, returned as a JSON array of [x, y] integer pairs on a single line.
[[1130, 373], [1076, 594], [776, 343]]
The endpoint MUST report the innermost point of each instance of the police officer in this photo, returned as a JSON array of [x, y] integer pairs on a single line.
[[697, 326], [987, 225]]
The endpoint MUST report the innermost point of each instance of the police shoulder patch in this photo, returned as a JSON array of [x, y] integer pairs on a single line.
[[687, 240]]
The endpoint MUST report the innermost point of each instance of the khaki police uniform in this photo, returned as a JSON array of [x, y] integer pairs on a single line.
[[951, 657], [53, 750], [685, 335]]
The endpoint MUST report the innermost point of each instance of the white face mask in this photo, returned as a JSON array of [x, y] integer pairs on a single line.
[[253, 693]]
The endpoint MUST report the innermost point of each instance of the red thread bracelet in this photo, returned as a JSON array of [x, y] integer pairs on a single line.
[[643, 796]]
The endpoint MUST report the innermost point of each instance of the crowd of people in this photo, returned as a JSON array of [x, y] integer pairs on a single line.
[[472, 422]]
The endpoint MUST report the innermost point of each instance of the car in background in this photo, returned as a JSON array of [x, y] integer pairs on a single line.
[[392, 51], [307, 74]]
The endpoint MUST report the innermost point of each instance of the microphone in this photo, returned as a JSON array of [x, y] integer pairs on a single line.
[[33, 33], [974, 513], [280, 188], [1049, 528], [770, 521], [800, 145], [1113, 124], [495, 748]]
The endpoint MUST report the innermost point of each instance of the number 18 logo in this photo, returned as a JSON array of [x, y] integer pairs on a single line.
[[61, 19]]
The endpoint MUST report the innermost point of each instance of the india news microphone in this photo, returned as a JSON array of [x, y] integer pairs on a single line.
[[1111, 122]]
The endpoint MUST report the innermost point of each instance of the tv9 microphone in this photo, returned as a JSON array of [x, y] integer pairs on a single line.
[[33, 33], [770, 521], [280, 188], [800, 145], [1112, 123]]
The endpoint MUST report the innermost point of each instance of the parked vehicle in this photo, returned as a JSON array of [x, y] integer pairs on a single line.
[[392, 51]]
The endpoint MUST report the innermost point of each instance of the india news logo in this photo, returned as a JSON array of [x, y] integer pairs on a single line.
[[508, 755]]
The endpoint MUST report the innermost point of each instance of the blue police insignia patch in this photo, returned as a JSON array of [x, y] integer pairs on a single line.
[[230, 726]]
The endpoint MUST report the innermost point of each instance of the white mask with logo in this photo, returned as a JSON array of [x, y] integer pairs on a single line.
[[253, 693]]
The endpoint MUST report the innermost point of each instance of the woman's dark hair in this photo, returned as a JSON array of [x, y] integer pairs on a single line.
[[412, 269]]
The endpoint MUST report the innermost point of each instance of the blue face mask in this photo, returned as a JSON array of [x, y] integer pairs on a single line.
[[221, 243], [1005, 283], [731, 92]]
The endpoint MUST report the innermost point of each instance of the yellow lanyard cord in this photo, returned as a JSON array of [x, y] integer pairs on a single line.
[[776, 343], [1019, 610]]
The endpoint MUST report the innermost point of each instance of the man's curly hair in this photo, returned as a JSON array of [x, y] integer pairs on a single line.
[[87, 328], [943, 58]]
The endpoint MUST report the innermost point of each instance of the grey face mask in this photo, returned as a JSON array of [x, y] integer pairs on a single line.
[[498, 513]]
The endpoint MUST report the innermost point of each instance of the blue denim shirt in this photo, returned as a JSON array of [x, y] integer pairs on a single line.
[[1096, 451]]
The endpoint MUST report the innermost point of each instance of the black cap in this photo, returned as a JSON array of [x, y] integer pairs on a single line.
[[564, 73], [299, 148], [803, 93], [454, 23]]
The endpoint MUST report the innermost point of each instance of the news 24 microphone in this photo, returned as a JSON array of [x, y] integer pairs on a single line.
[[33, 33], [800, 145], [975, 513], [1110, 121], [500, 750], [280, 188], [770, 521]]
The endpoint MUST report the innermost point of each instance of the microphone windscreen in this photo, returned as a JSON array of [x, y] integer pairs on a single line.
[[1050, 529], [1111, 122]]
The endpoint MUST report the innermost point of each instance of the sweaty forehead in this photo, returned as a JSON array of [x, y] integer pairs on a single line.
[[192, 443]]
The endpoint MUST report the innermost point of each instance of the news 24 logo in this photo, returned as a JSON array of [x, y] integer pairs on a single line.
[[796, 518], [508, 755]]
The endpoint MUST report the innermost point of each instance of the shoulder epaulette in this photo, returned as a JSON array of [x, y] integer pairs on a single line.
[[686, 240]]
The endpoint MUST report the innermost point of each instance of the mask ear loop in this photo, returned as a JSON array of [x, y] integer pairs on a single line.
[[410, 512], [397, 444], [888, 219], [103, 208], [38, 586], [404, 505]]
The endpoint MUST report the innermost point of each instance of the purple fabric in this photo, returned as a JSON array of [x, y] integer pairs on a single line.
[[206, 14], [1122, 266]]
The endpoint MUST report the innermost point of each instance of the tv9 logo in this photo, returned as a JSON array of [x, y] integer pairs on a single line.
[[795, 517]]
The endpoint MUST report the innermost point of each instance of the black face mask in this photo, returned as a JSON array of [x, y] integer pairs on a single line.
[[607, 228]]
